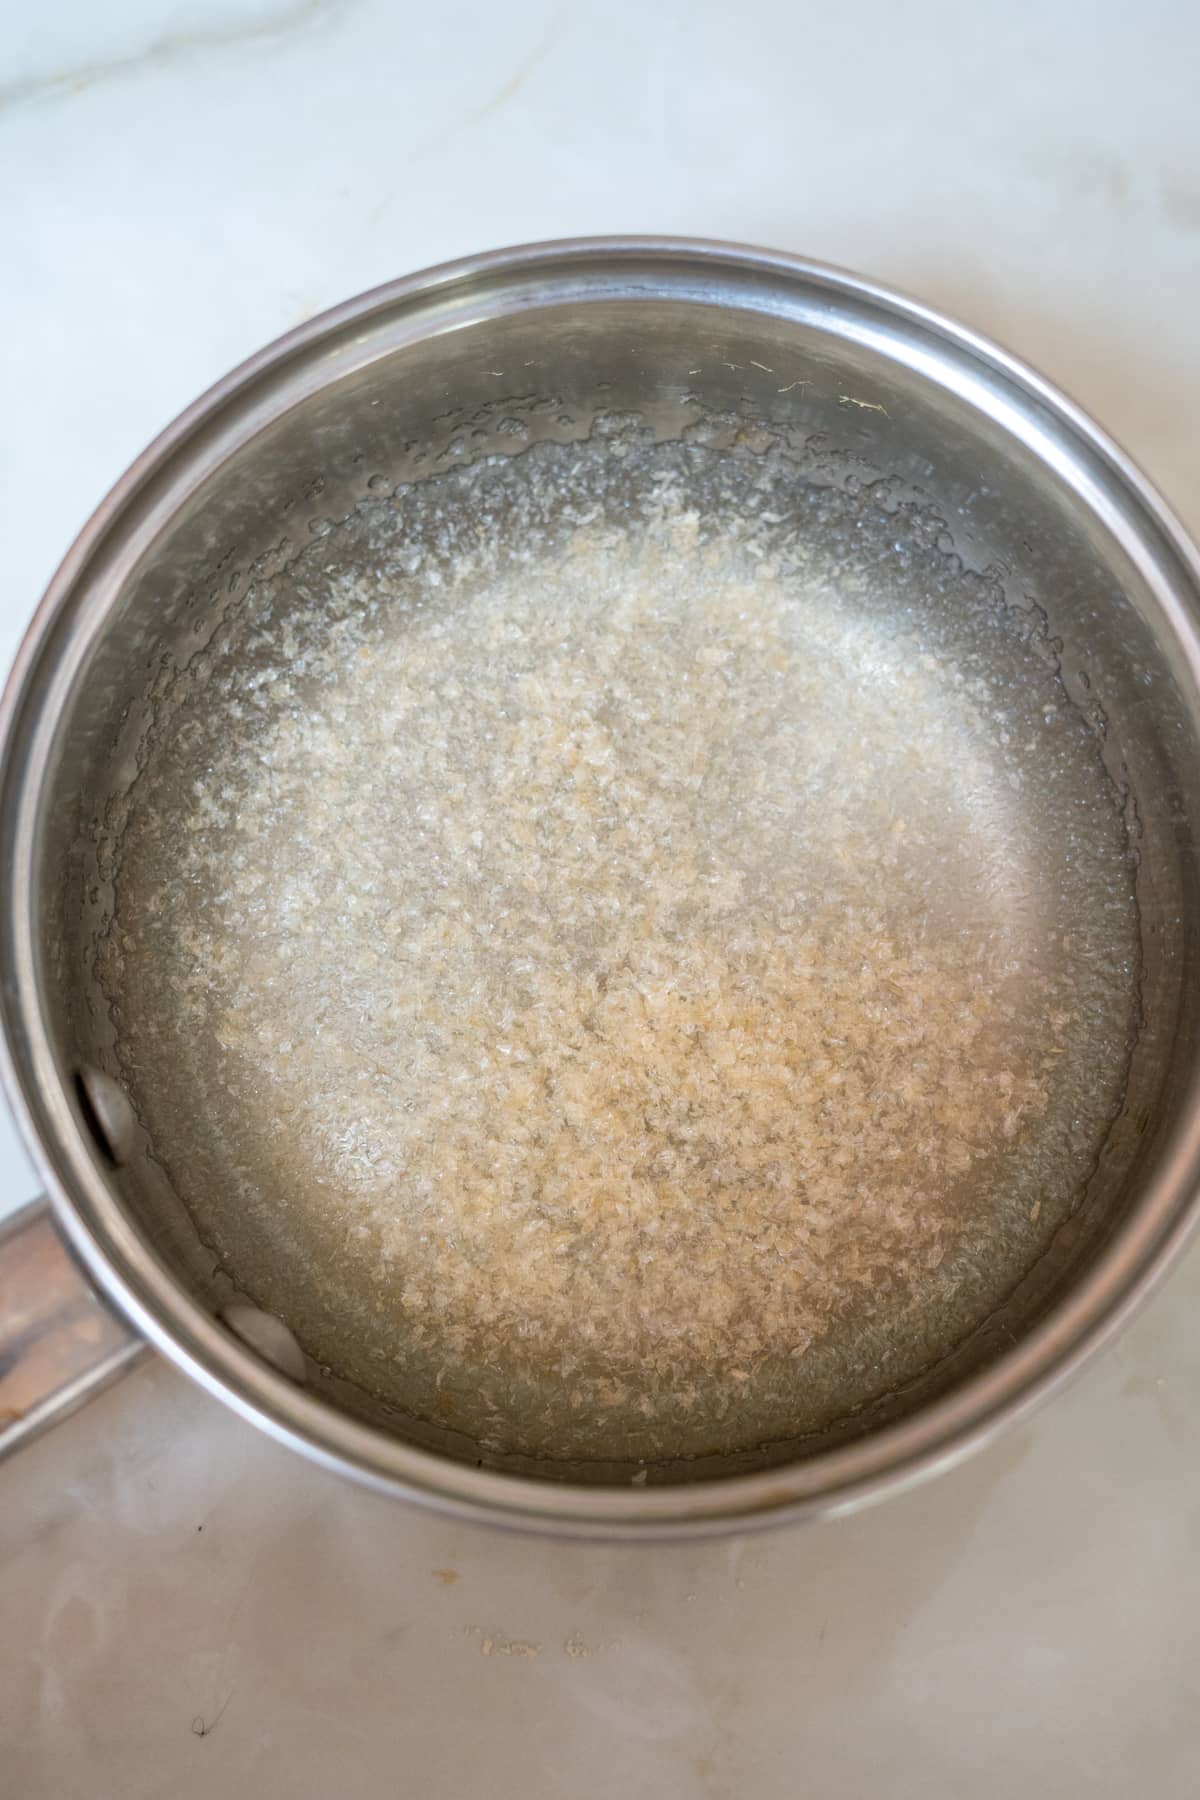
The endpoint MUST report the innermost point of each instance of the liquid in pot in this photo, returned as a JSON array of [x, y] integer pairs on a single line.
[[631, 954]]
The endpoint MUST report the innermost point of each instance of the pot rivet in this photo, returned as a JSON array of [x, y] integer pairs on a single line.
[[108, 1112], [268, 1336]]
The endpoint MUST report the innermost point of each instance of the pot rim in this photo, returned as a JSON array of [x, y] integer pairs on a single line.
[[893, 1457]]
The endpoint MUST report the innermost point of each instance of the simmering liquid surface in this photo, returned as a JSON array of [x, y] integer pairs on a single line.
[[627, 953]]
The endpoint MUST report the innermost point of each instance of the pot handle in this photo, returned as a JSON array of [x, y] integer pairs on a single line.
[[59, 1342]]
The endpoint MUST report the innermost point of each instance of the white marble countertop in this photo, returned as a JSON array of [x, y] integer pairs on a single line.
[[187, 1610]]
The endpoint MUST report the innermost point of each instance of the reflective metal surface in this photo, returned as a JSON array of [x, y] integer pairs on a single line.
[[59, 1344], [431, 369]]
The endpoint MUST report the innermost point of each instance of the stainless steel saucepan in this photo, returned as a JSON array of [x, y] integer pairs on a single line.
[[897, 417]]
